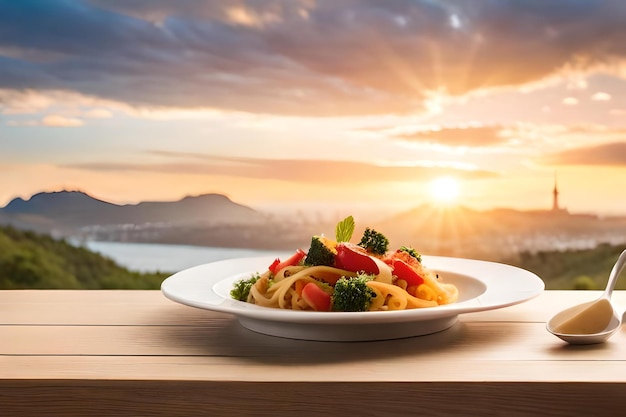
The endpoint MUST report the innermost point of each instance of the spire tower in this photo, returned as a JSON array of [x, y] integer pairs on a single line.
[[555, 196]]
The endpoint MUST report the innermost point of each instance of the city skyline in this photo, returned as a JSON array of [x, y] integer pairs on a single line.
[[292, 104]]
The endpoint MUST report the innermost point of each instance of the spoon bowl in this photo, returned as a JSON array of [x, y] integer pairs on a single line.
[[591, 322], [583, 338]]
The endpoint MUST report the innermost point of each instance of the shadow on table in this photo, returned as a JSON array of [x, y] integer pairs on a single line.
[[229, 338]]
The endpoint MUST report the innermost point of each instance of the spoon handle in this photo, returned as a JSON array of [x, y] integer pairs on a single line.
[[617, 268]]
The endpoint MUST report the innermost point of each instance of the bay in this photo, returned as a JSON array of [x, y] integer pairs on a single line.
[[156, 257]]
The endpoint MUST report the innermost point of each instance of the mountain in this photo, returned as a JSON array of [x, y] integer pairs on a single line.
[[215, 220], [67, 210], [204, 220], [63, 209], [492, 234]]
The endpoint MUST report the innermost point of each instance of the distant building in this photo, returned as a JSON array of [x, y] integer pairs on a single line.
[[555, 196], [555, 199]]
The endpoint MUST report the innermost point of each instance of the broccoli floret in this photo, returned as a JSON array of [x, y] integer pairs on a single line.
[[374, 242], [321, 252], [241, 288], [411, 252], [353, 294]]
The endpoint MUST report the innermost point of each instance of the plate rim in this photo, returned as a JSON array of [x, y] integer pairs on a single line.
[[216, 302]]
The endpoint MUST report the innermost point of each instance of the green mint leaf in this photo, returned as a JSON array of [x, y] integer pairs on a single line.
[[344, 229]]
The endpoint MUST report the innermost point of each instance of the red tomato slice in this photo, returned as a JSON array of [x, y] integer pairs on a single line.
[[316, 297], [295, 259], [273, 266], [405, 272], [351, 259]]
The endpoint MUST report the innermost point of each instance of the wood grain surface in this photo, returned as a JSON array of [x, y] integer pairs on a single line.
[[136, 353]]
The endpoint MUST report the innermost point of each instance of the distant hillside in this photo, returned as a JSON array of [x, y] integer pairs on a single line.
[[214, 220], [70, 210], [29, 260], [34, 261], [497, 233], [573, 269]]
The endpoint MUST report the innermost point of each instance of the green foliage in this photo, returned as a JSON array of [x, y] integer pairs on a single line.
[[573, 269], [583, 282], [33, 261]]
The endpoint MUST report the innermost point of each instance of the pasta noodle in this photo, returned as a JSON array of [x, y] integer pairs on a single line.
[[284, 289], [342, 276], [399, 299]]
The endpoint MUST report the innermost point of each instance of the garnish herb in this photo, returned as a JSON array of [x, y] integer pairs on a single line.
[[241, 288], [411, 252], [374, 242], [344, 229]]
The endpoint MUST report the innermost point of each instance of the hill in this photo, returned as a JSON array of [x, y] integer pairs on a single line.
[[584, 269], [499, 233], [71, 213], [30, 260], [214, 220], [34, 261], [78, 209]]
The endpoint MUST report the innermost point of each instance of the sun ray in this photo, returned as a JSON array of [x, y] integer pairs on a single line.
[[444, 190]]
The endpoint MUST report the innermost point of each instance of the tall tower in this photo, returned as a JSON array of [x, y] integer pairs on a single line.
[[555, 196]]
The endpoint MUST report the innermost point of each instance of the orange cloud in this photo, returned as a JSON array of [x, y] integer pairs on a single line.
[[54, 120], [291, 170], [458, 136], [301, 57], [608, 154]]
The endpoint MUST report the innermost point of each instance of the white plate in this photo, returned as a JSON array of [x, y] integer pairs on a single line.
[[482, 286]]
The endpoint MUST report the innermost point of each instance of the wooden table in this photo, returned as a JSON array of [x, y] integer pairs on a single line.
[[137, 353]]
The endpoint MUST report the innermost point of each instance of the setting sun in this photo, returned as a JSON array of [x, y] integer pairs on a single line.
[[444, 189]]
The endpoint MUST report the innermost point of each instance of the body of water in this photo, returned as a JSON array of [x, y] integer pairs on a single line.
[[152, 257]]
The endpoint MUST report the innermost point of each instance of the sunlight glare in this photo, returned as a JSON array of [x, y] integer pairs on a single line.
[[444, 189]]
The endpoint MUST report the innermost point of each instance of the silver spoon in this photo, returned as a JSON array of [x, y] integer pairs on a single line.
[[591, 322]]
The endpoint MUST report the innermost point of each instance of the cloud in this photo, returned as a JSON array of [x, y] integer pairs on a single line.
[[98, 114], [22, 123], [608, 154], [292, 170], [299, 57], [13, 102], [458, 136], [54, 120], [23, 102], [570, 101], [601, 96], [245, 13]]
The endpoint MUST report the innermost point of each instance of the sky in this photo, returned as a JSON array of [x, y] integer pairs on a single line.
[[315, 104]]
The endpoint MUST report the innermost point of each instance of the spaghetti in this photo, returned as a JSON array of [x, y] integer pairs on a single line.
[[352, 278]]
